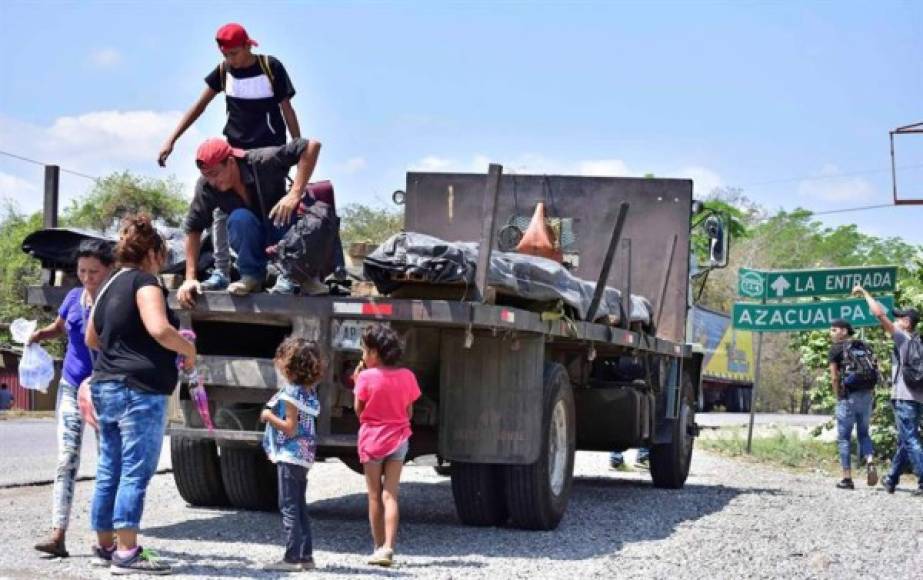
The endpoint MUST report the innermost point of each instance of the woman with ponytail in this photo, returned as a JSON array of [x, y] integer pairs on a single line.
[[137, 339]]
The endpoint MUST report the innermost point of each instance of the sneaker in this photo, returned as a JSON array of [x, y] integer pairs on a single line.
[[284, 566], [53, 548], [845, 484], [308, 564], [283, 285], [245, 285], [889, 485], [871, 477], [217, 281], [102, 557], [142, 562], [315, 287], [616, 460], [382, 557]]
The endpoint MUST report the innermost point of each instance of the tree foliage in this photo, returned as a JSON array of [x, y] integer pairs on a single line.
[[17, 270], [124, 193], [362, 223]]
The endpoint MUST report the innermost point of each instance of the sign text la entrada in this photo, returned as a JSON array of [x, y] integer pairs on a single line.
[[810, 283]]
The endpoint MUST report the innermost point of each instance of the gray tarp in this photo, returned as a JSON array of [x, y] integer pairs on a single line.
[[425, 258]]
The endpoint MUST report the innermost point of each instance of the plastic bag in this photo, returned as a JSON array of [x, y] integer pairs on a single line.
[[22, 329], [36, 368]]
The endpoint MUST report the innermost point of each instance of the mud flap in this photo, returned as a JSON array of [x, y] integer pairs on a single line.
[[491, 397]]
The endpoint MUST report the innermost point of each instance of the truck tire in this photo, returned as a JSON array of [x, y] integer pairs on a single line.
[[670, 461], [537, 494], [249, 478], [197, 471], [478, 492]]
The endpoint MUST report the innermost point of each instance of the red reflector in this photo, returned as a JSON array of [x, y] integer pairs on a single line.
[[369, 309]]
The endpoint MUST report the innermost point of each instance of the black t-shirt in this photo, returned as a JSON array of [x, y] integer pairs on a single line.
[[127, 351], [835, 355], [254, 117]]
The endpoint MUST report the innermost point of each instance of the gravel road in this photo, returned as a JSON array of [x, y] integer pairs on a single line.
[[732, 520]]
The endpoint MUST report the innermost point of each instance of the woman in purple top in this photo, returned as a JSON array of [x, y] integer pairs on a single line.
[[94, 262]]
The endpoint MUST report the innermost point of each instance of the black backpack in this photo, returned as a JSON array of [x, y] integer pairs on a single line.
[[912, 363], [860, 368]]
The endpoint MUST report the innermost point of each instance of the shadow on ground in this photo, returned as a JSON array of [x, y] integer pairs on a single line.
[[604, 515]]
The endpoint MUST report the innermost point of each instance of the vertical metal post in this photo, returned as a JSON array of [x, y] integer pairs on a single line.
[[603, 277], [625, 322], [52, 186], [756, 385], [489, 217]]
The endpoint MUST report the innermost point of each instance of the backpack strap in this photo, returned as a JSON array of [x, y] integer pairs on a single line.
[[264, 65]]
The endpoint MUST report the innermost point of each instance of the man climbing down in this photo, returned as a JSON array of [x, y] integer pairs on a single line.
[[854, 374], [248, 186], [258, 95]]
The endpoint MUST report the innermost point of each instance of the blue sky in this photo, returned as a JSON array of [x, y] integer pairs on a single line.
[[781, 99]]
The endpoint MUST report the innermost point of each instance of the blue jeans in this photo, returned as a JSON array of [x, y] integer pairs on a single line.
[[855, 409], [249, 238], [293, 487], [907, 416], [131, 430]]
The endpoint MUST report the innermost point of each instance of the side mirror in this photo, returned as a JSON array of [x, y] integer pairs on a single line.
[[717, 242]]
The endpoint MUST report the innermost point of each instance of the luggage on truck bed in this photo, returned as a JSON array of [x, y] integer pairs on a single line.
[[423, 258]]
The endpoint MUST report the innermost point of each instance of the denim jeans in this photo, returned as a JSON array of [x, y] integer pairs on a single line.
[[907, 416], [855, 409], [249, 238], [70, 438], [293, 487], [131, 431]]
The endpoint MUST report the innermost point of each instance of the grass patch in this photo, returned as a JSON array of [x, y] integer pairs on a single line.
[[777, 448]]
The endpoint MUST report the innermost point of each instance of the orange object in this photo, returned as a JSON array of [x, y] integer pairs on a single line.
[[539, 238]]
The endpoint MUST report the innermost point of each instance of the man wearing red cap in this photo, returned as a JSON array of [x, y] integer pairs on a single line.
[[258, 95], [248, 186]]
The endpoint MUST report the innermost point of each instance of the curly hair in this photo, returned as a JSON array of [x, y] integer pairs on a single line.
[[385, 342], [137, 237], [300, 361]]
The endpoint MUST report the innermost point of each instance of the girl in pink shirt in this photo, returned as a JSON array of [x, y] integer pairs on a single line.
[[384, 403]]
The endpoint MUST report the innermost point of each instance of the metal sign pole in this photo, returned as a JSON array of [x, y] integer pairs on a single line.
[[756, 385]]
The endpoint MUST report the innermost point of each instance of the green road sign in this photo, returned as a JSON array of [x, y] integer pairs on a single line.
[[804, 315], [778, 284]]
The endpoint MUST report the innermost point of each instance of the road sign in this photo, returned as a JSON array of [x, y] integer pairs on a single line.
[[804, 315], [779, 284]]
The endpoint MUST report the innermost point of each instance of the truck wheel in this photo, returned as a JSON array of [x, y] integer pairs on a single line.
[[197, 471], [670, 462], [537, 494], [478, 492], [249, 478]]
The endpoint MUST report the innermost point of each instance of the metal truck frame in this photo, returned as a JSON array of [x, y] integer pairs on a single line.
[[509, 395]]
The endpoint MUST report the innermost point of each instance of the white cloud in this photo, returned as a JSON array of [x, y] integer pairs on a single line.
[[434, 163], [704, 180], [99, 143], [829, 187], [603, 168], [105, 58], [352, 166], [18, 190]]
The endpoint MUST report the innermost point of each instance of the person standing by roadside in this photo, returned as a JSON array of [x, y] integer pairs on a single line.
[[126, 399], [385, 394], [6, 398], [258, 95], [906, 402], [854, 375], [94, 262]]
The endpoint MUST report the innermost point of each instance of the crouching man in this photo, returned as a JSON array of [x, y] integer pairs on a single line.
[[248, 186], [906, 401]]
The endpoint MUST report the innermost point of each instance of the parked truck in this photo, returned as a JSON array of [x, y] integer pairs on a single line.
[[509, 394], [728, 363]]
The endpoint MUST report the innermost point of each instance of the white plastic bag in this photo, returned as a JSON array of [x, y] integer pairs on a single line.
[[36, 368], [22, 329]]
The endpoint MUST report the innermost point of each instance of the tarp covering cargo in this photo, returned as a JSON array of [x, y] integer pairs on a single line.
[[57, 247], [420, 257]]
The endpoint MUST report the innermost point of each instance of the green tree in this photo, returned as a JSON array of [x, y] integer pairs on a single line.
[[17, 270], [362, 223], [123, 193]]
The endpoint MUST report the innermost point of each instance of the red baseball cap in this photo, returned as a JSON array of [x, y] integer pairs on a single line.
[[213, 151], [233, 35]]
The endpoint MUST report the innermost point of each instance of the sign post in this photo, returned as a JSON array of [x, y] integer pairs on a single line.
[[777, 285]]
